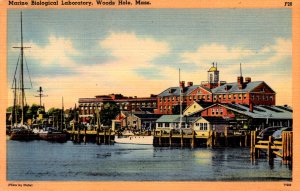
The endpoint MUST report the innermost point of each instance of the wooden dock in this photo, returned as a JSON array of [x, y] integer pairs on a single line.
[[272, 148], [105, 136], [192, 139]]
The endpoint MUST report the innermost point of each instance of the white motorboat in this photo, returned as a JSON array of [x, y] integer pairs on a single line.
[[134, 139]]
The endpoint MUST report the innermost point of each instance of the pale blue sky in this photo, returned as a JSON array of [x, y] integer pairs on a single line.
[[66, 43]]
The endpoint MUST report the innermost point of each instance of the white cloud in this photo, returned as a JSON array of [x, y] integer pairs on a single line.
[[133, 49], [215, 52], [119, 75], [57, 52]]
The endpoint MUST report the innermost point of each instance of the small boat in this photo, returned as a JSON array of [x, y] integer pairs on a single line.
[[129, 138], [50, 134]]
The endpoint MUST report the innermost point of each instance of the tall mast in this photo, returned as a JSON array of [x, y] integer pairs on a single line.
[[241, 69], [62, 112], [22, 74], [40, 90], [21, 80], [180, 100]]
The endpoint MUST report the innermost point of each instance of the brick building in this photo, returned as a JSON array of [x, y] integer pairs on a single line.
[[215, 91], [88, 106]]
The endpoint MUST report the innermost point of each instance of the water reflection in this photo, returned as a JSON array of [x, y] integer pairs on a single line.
[[68, 161]]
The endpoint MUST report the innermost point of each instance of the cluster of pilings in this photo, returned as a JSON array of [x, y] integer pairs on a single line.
[[99, 136], [213, 139], [272, 148]]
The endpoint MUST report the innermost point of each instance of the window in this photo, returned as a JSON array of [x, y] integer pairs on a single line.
[[208, 97], [245, 96], [197, 124], [159, 124], [252, 97], [205, 126], [240, 96], [224, 96], [213, 111], [190, 98], [221, 111], [160, 100], [257, 97], [164, 99], [199, 97], [195, 97], [201, 126], [167, 124], [173, 98], [215, 97], [271, 98], [217, 111], [229, 96], [267, 98], [234, 96]]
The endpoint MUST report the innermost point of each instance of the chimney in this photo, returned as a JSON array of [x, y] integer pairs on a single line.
[[190, 84], [247, 80], [251, 107], [182, 84], [240, 81]]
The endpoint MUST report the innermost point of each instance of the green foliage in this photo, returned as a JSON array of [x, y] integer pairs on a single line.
[[108, 113]]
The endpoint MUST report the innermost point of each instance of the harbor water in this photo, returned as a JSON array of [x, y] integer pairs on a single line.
[[43, 161]]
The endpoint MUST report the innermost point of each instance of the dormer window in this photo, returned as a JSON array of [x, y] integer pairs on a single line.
[[228, 87], [172, 90]]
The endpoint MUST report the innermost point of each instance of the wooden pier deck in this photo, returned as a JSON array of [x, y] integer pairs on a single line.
[[98, 136], [212, 139], [272, 148]]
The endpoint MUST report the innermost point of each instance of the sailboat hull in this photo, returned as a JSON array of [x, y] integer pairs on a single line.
[[53, 137], [24, 135]]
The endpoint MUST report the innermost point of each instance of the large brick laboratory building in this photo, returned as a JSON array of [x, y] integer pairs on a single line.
[[243, 91], [88, 106]]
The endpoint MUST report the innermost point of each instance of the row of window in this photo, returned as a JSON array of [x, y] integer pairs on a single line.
[[217, 111], [262, 97], [220, 96], [203, 126]]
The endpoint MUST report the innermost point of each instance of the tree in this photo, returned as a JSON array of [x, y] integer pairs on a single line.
[[109, 112]]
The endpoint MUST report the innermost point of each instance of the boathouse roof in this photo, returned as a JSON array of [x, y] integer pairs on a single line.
[[262, 111]]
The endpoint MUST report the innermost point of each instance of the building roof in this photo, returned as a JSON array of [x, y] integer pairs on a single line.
[[148, 116], [204, 104], [175, 119], [233, 87], [212, 69], [216, 120], [175, 91], [262, 111]]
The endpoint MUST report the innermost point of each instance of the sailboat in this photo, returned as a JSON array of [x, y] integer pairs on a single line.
[[52, 134], [20, 131]]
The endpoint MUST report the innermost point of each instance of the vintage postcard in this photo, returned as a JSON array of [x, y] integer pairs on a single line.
[[149, 95]]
